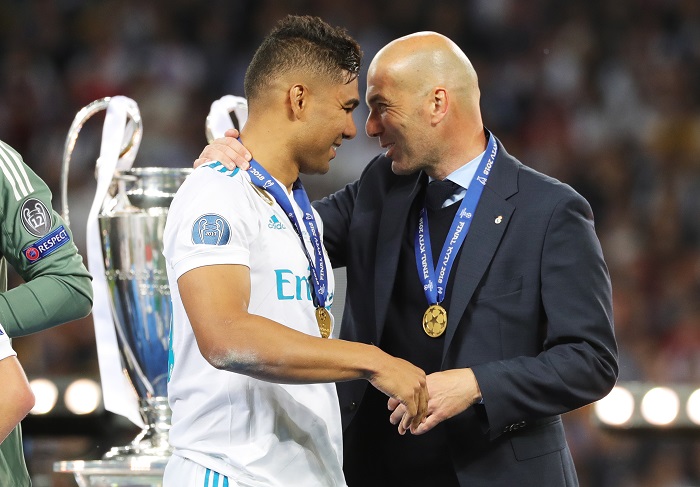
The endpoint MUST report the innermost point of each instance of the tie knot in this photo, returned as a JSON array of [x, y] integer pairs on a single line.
[[438, 192]]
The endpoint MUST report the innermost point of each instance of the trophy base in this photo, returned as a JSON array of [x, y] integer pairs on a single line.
[[150, 444], [138, 464], [152, 441], [132, 472]]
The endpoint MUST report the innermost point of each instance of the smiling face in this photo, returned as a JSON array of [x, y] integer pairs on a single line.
[[399, 117], [423, 97], [328, 121]]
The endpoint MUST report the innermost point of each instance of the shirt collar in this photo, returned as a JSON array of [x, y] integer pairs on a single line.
[[464, 175]]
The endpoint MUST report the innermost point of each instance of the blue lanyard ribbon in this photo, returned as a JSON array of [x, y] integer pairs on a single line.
[[262, 179], [434, 280]]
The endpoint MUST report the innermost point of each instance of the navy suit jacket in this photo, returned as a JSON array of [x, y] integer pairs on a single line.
[[531, 308]]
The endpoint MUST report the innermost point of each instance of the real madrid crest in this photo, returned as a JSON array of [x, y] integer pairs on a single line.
[[36, 218]]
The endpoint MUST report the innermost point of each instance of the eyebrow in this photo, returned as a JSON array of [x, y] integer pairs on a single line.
[[353, 103], [375, 99]]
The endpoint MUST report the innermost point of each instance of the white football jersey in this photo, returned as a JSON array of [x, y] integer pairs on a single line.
[[255, 432]]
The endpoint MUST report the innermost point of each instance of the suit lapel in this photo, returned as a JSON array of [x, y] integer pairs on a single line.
[[490, 222], [391, 230]]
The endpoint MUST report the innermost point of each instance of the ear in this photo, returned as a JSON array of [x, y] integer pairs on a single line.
[[439, 103], [298, 95]]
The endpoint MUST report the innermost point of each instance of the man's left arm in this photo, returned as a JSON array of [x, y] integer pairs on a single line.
[[39, 245], [578, 363]]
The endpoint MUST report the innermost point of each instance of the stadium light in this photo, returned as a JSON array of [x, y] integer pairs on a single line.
[[45, 395], [65, 396], [83, 396], [693, 407], [643, 406], [616, 408], [660, 406]]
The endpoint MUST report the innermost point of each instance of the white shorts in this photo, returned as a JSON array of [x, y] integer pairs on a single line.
[[181, 472]]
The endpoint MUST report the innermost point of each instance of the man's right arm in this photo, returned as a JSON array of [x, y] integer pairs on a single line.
[[216, 299]]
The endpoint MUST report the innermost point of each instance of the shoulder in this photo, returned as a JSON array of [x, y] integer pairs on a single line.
[[213, 189], [24, 197], [379, 175], [213, 180], [16, 176], [552, 195], [217, 172], [531, 184], [379, 166], [8, 155]]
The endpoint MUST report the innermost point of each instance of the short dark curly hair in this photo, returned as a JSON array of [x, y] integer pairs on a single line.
[[303, 43]]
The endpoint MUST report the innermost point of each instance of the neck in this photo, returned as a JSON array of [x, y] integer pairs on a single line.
[[269, 149], [458, 154]]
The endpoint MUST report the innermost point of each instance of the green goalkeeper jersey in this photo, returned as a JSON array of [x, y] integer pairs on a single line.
[[38, 244]]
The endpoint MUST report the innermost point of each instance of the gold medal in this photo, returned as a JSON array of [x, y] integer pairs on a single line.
[[324, 321], [435, 321]]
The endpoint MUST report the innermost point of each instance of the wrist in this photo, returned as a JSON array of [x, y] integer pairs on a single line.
[[474, 389]]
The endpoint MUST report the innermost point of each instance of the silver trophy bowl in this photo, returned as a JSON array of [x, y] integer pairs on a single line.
[[131, 225]]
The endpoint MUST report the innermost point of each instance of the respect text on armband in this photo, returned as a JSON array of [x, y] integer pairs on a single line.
[[46, 245]]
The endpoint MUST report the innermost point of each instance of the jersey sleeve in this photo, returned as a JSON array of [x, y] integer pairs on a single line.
[[38, 244], [211, 221], [5, 345]]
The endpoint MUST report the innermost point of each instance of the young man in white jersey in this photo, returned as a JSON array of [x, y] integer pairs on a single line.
[[251, 366]]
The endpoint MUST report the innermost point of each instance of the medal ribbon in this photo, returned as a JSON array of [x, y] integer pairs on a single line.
[[262, 179], [434, 280]]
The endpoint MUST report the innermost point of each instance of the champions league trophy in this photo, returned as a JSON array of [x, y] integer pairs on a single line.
[[132, 308]]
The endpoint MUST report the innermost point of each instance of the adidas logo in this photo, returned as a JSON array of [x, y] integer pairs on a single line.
[[275, 224]]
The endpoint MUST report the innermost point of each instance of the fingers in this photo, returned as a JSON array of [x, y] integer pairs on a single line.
[[407, 388], [409, 414], [429, 423], [228, 150], [392, 404], [401, 416], [409, 422], [240, 156], [422, 408], [397, 414], [199, 161], [410, 411]]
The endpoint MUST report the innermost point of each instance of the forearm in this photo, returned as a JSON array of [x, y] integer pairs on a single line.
[[44, 302], [261, 348]]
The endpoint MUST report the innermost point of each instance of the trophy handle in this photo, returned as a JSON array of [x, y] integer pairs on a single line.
[[221, 109], [133, 120]]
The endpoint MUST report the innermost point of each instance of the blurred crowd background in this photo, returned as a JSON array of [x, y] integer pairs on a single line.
[[603, 95]]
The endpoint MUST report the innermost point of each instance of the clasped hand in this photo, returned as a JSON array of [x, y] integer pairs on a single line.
[[451, 392]]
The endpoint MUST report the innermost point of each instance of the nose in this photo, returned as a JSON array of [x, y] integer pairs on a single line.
[[373, 127], [350, 128]]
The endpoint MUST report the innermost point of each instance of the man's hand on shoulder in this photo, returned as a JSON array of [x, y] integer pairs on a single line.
[[227, 150]]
